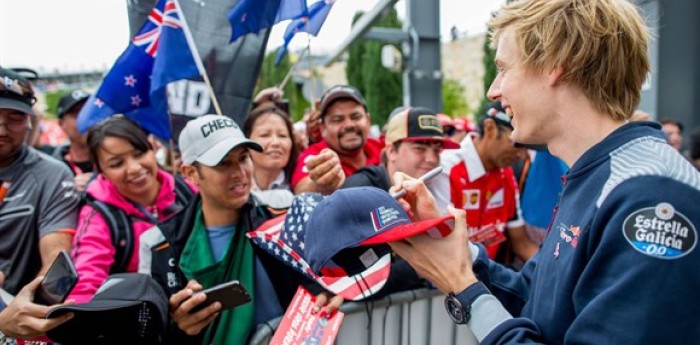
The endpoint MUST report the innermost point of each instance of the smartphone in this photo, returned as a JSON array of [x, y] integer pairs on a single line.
[[58, 281], [230, 294]]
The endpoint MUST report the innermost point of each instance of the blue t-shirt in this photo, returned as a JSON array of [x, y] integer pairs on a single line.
[[219, 239], [266, 305]]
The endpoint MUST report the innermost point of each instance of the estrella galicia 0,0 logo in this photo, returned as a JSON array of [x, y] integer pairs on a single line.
[[660, 232]]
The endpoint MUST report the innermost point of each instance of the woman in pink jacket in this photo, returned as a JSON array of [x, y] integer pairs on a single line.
[[129, 185]]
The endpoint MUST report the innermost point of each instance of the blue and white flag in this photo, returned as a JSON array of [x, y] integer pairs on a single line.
[[251, 16], [135, 86], [318, 12]]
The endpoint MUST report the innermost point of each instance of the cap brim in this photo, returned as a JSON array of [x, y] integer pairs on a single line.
[[436, 228], [361, 285], [446, 142], [214, 155], [71, 105], [92, 306], [337, 96], [6, 103]]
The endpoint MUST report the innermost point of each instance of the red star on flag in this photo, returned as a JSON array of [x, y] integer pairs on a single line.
[[99, 103], [130, 80], [136, 100]]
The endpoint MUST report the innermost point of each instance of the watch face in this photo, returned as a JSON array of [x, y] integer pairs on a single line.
[[455, 310]]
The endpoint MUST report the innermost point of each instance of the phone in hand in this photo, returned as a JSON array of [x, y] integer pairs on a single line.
[[230, 294], [58, 281]]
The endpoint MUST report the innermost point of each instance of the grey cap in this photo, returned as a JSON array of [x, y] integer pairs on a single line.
[[15, 92], [209, 138]]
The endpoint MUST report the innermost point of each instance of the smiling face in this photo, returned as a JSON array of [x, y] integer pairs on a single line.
[[132, 171], [346, 126], [414, 158], [271, 132], [523, 94]]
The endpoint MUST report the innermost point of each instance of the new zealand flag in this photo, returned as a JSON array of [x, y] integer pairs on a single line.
[[135, 86]]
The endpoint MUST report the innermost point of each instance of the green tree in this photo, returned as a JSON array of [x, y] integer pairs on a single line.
[[51, 99], [453, 101], [490, 72], [271, 75], [382, 88]]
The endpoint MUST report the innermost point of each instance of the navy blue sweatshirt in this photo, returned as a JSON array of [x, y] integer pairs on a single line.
[[620, 263]]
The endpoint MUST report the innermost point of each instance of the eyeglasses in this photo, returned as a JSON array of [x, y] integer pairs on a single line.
[[14, 122]]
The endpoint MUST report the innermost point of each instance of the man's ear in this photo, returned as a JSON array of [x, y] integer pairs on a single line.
[[389, 152], [190, 173], [490, 129], [554, 76]]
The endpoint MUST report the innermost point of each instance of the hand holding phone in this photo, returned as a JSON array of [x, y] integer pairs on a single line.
[[230, 294], [58, 281]]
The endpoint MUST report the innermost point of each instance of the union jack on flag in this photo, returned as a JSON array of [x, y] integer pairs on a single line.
[[283, 237], [157, 55]]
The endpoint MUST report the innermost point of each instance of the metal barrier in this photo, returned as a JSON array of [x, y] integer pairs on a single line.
[[404, 318]]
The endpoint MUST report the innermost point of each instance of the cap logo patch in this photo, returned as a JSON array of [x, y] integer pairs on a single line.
[[77, 94], [429, 122], [660, 232], [215, 125], [383, 216], [12, 85]]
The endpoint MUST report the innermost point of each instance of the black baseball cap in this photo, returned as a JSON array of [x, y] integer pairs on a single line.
[[70, 100], [16, 92], [338, 92], [496, 112], [129, 308]]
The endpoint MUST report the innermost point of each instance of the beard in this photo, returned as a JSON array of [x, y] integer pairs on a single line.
[[355, 146]]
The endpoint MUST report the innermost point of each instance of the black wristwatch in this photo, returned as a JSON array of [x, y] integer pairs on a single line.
[[459, 306]]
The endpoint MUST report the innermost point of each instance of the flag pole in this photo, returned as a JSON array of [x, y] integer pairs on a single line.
[[311, 73], [197, 58], [289, 74]]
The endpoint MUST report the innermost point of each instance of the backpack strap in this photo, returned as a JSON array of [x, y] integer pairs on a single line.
[[120, 229], [183, 195], [183, 192]]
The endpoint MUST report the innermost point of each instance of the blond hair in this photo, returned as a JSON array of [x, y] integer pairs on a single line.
[[600, 44]]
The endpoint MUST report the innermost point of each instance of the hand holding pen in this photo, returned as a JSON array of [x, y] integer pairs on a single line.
[[427, 176]]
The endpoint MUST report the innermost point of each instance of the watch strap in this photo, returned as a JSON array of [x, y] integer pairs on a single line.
[[471, 293], [459, 306]]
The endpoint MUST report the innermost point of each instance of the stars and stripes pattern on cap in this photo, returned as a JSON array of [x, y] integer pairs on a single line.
[[283, 237]]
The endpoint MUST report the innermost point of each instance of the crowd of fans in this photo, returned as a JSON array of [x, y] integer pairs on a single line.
[[107, 200]]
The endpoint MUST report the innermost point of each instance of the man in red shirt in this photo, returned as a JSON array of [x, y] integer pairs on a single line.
[[483, 184], [345, 147]]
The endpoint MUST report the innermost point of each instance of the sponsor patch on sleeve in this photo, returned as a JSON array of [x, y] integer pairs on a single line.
[[660, 232]]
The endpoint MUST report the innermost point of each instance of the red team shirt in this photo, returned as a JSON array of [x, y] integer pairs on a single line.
[[372, 149], [490, 198]]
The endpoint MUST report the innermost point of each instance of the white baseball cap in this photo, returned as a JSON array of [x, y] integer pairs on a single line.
[[209, 138]]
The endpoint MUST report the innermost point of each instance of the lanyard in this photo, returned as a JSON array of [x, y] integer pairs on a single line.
[[4, 187], [76, 169]]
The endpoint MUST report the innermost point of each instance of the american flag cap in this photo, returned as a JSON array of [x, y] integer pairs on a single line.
[[354, 225], [284, 238]]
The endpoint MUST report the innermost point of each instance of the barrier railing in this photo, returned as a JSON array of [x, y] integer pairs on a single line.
[[404, 318]]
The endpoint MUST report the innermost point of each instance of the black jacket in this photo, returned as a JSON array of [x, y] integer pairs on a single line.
[[176, 231]]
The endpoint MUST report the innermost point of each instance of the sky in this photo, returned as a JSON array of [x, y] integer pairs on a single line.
[[50, 35]]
